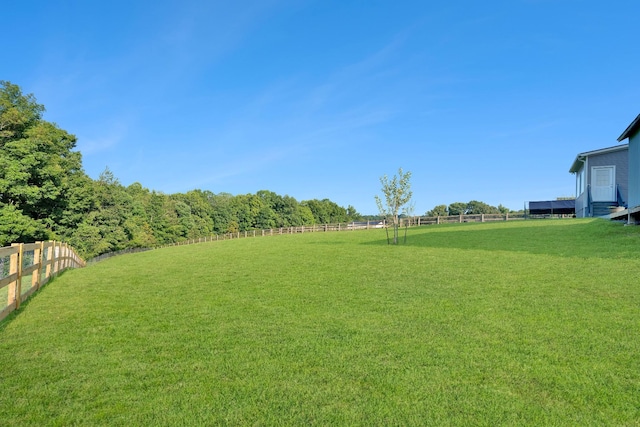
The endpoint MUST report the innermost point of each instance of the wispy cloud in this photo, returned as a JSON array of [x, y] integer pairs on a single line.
[[208, 173], [96, 141], [198, 34], [347, 83], [296, 117]]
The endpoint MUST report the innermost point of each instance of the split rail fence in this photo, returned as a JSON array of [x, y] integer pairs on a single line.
[[26, 267], [428, 220]]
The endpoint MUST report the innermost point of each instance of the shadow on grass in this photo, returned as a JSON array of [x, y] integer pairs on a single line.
[[592, 238]]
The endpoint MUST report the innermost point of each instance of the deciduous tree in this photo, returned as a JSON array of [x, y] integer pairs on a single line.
[[475, 207], [457, 208], [38, 166], [397, 194], [440, 210]]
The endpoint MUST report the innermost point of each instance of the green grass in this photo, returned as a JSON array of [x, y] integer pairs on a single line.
[[518, 323]]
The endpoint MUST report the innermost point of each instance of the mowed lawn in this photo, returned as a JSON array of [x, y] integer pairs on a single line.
[[512, 323]]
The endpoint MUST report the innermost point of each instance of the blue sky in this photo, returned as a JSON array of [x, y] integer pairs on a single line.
[[486, 101]]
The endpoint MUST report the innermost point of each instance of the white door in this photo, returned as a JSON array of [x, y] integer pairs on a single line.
[[603, 187]]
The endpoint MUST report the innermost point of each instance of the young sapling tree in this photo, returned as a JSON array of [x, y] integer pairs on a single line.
[[397, 193]]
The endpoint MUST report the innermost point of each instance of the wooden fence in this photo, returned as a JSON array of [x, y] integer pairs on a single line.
[[26, 267], [428, 220]]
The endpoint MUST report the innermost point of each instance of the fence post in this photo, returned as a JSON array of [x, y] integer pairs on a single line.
[[15, 266], [52, 271], [481, 217], [54, 259], [61, 258], [506, 217], [64, 256], [67, 256], [460, 217], [42, 268], [37, 259], [48, 267]]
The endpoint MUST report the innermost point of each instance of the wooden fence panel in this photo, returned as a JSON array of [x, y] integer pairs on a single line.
[[37, 261], [468, 218]]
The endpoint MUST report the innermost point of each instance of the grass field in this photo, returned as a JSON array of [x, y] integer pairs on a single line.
[[515, 323]]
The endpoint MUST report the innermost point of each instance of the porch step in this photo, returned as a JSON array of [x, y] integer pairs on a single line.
[[601, 208]]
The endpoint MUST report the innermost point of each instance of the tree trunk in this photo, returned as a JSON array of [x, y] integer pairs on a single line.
[[386, 228]]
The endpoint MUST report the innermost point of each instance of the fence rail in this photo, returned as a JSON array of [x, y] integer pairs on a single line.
[[427, 220], [26, 267]]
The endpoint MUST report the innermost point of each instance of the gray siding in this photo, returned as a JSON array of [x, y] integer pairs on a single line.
[[619, 159], [581, 205], [634, 170]]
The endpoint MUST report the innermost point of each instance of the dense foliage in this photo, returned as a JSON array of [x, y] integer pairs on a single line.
[[45, 194], [473, 207]]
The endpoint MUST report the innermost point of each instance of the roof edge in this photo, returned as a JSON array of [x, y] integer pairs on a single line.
[[575, 166], [631, 129]]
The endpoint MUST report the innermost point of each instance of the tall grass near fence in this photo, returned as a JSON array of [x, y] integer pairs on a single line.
[[512, 323]]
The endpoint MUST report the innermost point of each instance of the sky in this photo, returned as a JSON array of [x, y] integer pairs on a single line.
[[487, 101]]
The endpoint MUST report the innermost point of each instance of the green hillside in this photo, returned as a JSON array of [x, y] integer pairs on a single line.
[[514, 323]]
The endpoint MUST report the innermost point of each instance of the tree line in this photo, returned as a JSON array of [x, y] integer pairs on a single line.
[[473, 207], [45, 194]]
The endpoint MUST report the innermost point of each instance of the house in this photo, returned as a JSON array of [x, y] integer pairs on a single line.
[[632, 132], [602, 178]]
